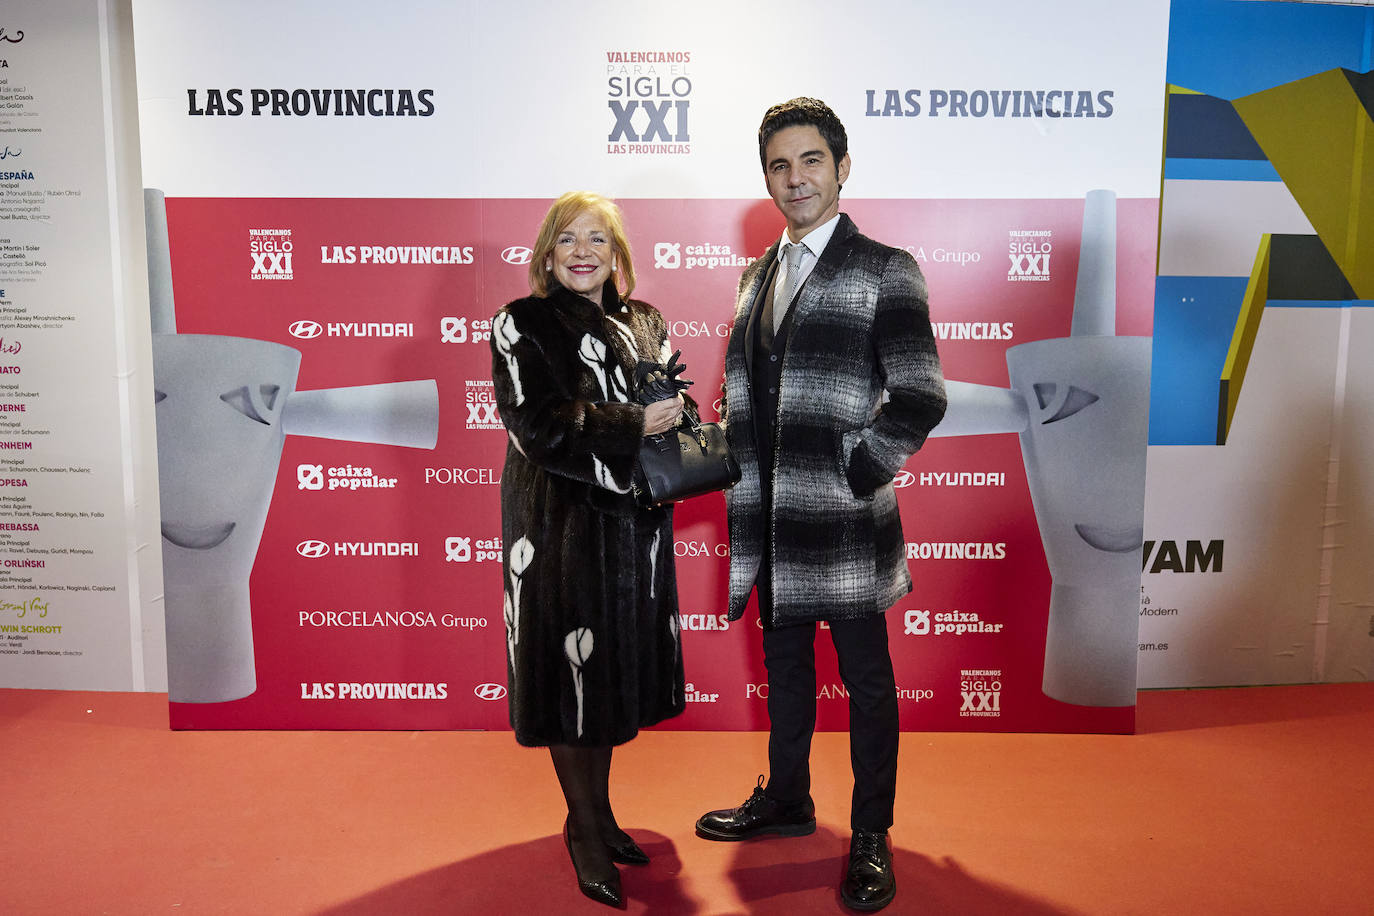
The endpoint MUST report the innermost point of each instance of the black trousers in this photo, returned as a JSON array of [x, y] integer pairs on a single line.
[[789, 654]]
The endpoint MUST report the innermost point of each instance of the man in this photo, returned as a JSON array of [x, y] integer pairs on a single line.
[[831, 383]]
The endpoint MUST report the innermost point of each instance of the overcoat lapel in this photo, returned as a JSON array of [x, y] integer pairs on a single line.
[[825, 274]]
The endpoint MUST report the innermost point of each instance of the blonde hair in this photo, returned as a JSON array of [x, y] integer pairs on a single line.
[[566, 209]]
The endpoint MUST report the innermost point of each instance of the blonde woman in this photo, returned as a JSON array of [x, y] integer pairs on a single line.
[[590, 588]]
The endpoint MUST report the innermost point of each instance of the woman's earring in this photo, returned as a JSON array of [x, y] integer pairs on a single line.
[[613, 267]]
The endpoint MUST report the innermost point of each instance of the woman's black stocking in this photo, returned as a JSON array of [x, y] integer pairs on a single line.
[[583, 777]]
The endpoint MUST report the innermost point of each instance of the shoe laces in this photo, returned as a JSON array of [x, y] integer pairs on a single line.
[[870, 846], [754, 800]]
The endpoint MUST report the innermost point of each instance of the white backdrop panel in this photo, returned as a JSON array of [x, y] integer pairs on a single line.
[[521, 96]]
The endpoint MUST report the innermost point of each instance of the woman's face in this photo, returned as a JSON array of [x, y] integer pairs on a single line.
[[583, 255]]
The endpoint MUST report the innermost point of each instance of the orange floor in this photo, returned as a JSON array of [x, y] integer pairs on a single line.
[[1247, 801]]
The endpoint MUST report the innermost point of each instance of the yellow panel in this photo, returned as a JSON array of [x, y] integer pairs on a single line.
[[1318, 137], [1243, 339]]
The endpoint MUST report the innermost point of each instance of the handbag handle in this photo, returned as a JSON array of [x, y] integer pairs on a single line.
[[662, 441]]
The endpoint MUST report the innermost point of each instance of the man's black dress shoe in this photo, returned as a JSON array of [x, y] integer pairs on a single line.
[[607, 892], [628, 853], [757, 816], [868, 882]]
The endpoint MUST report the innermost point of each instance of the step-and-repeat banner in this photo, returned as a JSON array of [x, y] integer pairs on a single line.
[[350, 195]]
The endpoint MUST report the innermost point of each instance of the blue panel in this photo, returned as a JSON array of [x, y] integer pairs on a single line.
[[1230, 49], [1206, 127], [1220, 170], [1194, 320]]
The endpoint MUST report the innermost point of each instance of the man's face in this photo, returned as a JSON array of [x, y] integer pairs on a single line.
[[802, 178]]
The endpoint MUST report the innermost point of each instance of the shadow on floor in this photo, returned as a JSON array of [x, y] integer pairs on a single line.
[[791, 877], [782, 877], [533, 878]]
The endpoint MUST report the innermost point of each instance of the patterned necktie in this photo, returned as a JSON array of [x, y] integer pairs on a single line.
[[792, 258]]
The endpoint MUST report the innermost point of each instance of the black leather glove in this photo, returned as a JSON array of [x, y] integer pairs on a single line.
[[657, 383]]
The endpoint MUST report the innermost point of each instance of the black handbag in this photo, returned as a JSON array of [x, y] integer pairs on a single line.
[[688, 460]]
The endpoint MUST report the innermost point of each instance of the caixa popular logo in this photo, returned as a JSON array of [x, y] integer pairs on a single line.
[[314, 550], [517, 254], [481, 401], [271, 253], [349, 477], [946, 623], [470, 550], [489, 692], [675, 255], [1029, 251], [457, 330], [667, 255]]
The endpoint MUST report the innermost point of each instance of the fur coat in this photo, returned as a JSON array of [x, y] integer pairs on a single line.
[[593, 648], [861, 387]]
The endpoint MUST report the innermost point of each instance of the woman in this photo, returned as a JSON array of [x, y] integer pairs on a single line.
[[590, 588]]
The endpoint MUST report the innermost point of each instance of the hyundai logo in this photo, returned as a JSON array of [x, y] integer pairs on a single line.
[[306, 330], [903, 479], [489, 691], [312, 549], [517, 254]]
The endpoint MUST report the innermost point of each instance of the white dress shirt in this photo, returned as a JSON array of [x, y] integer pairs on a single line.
[[812, 245]]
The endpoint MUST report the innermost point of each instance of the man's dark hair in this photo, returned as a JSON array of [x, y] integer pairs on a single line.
[[798, 113]]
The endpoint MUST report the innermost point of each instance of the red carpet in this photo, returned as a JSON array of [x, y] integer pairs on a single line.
[[1247, 801]]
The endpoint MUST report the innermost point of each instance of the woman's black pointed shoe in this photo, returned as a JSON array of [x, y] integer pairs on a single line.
[[628, 853], [607, 892]]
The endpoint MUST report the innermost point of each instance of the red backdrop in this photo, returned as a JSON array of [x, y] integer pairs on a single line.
[[435, 618]]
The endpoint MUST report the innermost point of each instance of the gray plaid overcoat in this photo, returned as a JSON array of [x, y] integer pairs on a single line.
[[861, 389]]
